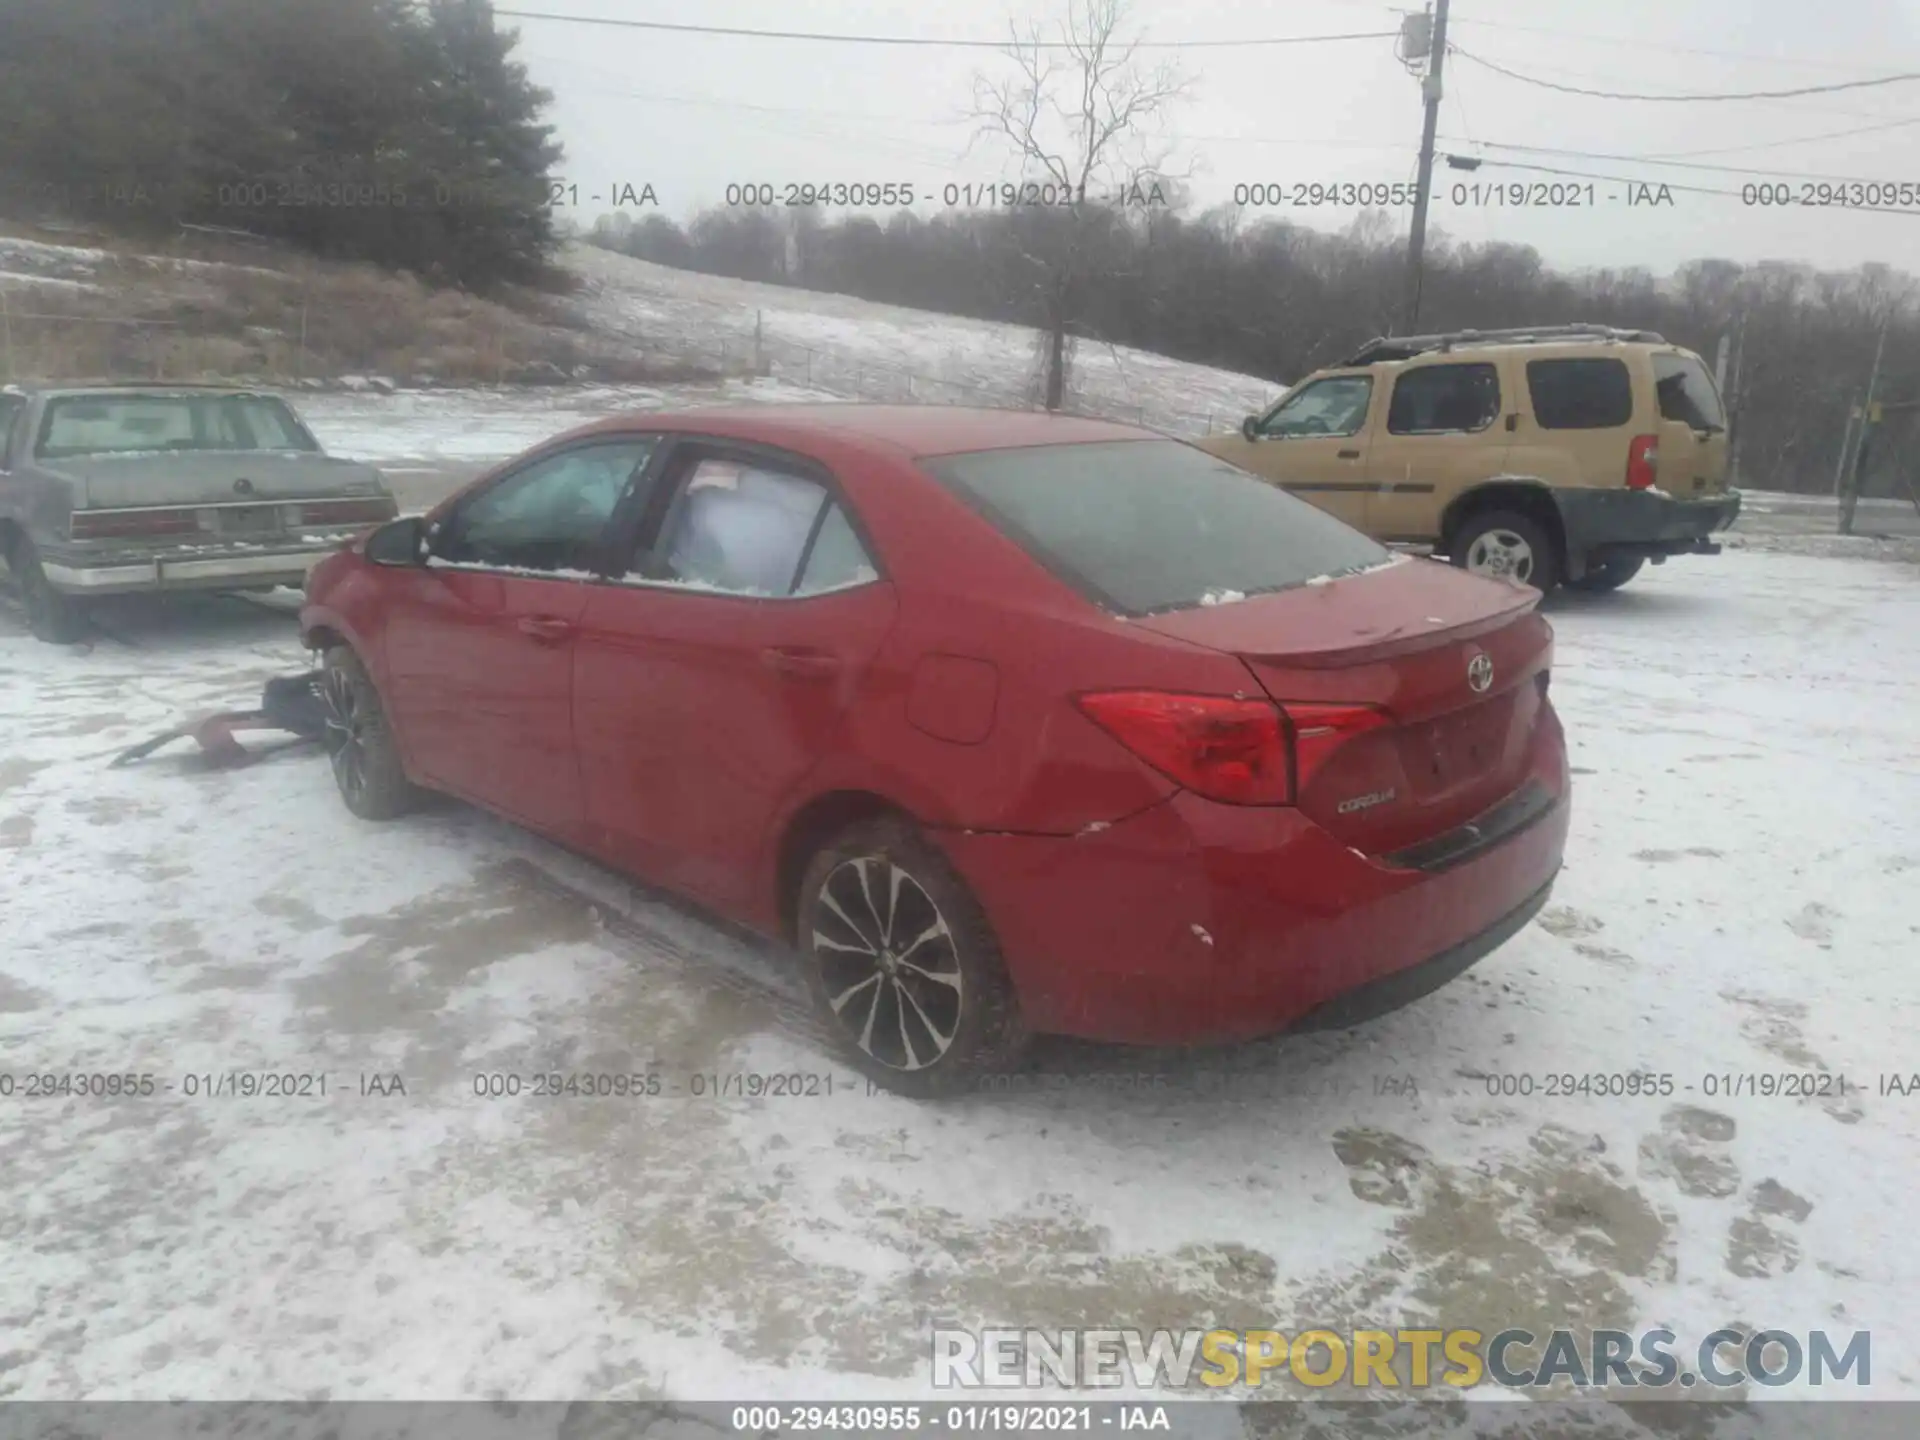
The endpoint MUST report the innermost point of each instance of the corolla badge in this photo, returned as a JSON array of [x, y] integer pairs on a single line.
[[1480, 672], [1365, 802]]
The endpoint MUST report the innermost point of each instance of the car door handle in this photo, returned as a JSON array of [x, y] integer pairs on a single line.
[[1348, 454], [546, 629], [801, 664]]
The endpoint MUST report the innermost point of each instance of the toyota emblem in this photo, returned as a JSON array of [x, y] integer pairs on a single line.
[[243, 486], [1480, 673]]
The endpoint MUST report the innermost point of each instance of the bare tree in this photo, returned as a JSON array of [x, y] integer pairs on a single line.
[[1080, 113]]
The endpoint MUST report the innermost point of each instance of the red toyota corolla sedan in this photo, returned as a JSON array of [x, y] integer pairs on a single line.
[[1010, 723]]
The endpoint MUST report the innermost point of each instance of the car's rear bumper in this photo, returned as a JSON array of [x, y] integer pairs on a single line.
[[123, 574], [1194, 922], [1608, 523]]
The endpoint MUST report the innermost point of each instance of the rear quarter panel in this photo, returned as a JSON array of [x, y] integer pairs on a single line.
[[969, 594]]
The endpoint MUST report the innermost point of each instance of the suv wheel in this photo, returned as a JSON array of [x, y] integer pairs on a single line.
[[360, 744], [1505, 544], [57, 618], [1609, 575], [904, 970]]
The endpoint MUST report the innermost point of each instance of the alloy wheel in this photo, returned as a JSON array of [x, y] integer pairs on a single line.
[[1501, 552], [345, 732], [888, 958]]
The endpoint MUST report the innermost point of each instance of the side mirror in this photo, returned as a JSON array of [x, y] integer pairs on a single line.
[[1250, 427], [399, 542]]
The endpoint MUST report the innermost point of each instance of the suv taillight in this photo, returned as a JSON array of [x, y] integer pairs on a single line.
[[1643, 459], [132, 524], [1243, 752]]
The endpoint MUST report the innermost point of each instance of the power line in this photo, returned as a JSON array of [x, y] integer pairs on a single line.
[[1740, 95], [1642, 44], [935, 41], [1763, 171], [1783, 144]]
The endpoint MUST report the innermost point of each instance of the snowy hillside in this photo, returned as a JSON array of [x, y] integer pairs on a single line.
[[861, 348]]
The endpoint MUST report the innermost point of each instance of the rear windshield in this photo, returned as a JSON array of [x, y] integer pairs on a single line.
[[1141, 526], [1687, 393], [141, 424]]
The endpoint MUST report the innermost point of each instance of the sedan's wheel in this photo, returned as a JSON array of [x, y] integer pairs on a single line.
[[1506, 545], [57, 618], [1608, 576], [902, 964], [360, 745]]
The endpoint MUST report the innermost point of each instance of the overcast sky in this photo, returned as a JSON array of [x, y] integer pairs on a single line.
[[690, 114]]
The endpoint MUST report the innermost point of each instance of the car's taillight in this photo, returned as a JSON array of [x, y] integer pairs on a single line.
[[348, 512], [1643, 459], [1216, 745], [1227, 748], [132, 524], [1319, 730]]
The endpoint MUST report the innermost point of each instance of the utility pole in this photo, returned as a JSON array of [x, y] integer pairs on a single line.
[[1869, 416], [1430, 90]]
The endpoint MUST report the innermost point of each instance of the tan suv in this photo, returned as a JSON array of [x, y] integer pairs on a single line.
[[1570, 453]]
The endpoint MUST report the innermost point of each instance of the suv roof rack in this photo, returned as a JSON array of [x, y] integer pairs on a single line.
[[1405, 347]]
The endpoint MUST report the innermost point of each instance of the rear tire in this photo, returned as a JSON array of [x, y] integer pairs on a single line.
[[904, 969], [1507, 544], [360, 743], [1610, 575], [56, 618]]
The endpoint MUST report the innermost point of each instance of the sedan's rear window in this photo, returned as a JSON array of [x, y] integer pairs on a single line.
[[140, 424], [1146, 525]]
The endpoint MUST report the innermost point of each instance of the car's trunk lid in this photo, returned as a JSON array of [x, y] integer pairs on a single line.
[[1406, 639], [210, 477]]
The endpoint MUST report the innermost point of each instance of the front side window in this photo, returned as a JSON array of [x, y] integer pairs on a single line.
[[744, 528], [548, 517], [1580, 394], [10, 408], [135, 424], [1334, 406], [1438, 399], [1687, 392]]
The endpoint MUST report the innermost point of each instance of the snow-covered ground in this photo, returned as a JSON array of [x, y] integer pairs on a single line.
[[1737, 900]]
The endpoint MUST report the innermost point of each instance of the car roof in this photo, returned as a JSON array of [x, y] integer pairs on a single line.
[[912, 430], [134, 387]]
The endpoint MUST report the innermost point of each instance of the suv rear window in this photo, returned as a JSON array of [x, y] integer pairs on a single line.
[[1687, 393], [1140, 526], [1580, 394]]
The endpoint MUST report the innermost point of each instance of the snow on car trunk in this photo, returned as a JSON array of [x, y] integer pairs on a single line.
[[1733, 908]]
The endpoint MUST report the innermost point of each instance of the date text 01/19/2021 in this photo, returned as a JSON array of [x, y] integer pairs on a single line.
[[969, 1419], [1500, 195]]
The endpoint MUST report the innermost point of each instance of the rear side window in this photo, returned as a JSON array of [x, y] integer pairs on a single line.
[[1140, 526], [1441, 398], [1687, 392], [1580, 394], [743, 528]]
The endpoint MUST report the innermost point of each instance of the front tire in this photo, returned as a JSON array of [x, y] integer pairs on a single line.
[[1610, 575], [360, 743], [52, 616], [904, 969], [1504, 544]]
